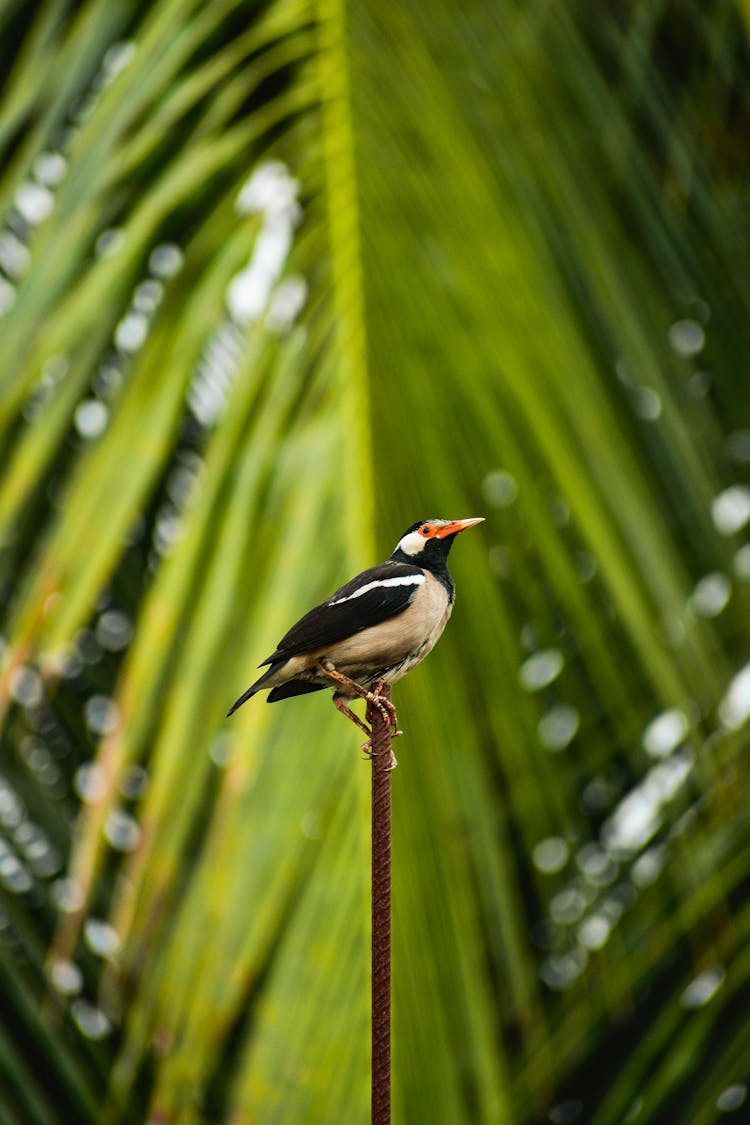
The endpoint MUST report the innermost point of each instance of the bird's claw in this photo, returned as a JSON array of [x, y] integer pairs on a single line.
[[369, 755], [376, 701], [386, 709], [387, 706]]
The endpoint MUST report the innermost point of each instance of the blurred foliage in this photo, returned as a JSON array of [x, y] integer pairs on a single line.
[[276, 280]]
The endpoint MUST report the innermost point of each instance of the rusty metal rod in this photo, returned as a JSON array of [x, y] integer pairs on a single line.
[[383, 762]]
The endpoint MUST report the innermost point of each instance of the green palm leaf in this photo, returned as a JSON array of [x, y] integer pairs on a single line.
[[276, 281]]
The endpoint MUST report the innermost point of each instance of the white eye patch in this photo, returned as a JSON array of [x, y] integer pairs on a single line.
[[412, 544], [406, 580]]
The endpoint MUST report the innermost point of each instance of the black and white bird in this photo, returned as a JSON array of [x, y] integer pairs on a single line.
[[372, 630]]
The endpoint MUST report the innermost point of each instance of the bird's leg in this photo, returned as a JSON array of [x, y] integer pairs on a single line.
[[353, 688], [384, 706], [340, 705], [328, 668]]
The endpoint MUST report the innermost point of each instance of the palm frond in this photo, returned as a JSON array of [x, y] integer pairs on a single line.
[[276, 281]]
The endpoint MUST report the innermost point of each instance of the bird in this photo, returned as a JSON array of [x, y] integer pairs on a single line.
[[372, 630]]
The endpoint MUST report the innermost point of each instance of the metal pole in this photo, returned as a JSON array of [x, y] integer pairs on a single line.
[[383, 763]]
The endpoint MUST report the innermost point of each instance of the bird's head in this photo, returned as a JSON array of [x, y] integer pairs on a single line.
[[429, 541]]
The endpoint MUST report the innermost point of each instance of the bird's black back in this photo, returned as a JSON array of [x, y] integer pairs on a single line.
[[347, 612]]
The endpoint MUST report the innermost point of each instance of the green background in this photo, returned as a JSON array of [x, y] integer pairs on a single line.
[[277, 280]]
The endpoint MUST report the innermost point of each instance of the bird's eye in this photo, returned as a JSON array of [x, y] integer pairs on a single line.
[[424, 530]]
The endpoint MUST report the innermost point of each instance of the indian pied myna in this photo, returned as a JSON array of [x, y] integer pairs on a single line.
[[372, 630]]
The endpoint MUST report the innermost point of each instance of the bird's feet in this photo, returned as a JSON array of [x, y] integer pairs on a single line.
[[386, 709], [367, 749], [377, 700], [369, 755], [374, 698], [384, 705]]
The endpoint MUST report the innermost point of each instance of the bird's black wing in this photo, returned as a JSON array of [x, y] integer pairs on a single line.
[[373, 596]]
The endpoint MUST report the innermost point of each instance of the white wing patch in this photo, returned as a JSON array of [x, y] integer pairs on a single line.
[[406, 580]]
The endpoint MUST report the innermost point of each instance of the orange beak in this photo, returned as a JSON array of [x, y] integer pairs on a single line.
[[455, 526]]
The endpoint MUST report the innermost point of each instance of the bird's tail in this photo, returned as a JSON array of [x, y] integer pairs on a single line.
[[256, 687], [242, 699]]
